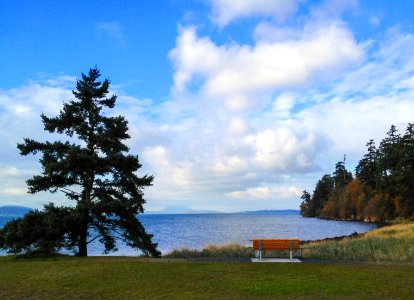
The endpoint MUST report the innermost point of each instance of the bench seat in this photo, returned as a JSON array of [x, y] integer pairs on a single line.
[[268, 244]]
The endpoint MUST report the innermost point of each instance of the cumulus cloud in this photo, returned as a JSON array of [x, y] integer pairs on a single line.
[[265, 193], [281, 150], [12, 182], [244, 123], [301, 122], [240, 73], [283, 104], [20, 110], [225, 11]]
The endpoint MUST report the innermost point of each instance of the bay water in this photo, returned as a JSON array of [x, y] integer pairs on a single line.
[[195, 231]]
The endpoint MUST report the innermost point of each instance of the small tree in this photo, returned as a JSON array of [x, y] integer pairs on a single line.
[[97, 172], [39, 232]]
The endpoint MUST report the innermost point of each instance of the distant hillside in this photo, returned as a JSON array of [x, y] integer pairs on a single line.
[[272, 212], [13, 211], [186, 210]]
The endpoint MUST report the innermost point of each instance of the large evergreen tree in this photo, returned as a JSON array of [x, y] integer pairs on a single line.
[[367, 169], [389, 156], [323, 190], [405, 171], [306, 209], [95, 171], [341, 176]]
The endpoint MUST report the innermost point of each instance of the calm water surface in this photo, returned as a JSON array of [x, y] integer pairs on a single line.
[[198, 230]]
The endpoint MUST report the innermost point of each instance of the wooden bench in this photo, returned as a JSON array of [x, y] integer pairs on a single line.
[[276, 245]]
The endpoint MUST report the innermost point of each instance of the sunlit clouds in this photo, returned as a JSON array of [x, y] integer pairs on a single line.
[[248, 123]]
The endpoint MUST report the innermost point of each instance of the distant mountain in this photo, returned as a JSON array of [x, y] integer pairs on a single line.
[[272, 212], [187, 210], [13, 210]]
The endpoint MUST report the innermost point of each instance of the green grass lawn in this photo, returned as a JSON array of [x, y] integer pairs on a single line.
[[133, 278]]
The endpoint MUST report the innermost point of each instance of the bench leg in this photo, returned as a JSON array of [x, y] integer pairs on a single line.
[[260, 251]]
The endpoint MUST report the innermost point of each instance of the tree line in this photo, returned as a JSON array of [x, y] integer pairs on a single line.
[[381, 189]]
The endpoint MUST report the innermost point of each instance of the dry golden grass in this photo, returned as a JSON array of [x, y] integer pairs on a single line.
[[225, 250], [392, 243]]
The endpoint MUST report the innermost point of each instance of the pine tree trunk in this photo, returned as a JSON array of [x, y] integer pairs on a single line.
[[83, 244], [85, 210]]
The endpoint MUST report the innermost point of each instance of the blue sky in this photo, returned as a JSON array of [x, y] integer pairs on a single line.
[[233, 105]]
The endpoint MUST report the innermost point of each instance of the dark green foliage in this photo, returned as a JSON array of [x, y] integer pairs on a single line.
[[322, 191], [97, 172], [384, 185], [311, 206], [405, 174], [39, 232], [367, 170], [306, 205], [341, 176]]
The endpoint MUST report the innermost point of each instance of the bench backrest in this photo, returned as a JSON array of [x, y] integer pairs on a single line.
[[276, 244]]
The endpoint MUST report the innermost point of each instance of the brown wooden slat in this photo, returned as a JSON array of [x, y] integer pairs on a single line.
[[276, 244]]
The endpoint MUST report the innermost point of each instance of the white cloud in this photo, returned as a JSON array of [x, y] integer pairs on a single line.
[[267, 31], [283, 104], [33, 98], [265, 193], [13, 191], [338, 103], [243, 122], [237, 126], [9, 171], [20, 110], [333, 9], [240, 74], [282, 150], [349, 124], [390, 68], [225, 11]]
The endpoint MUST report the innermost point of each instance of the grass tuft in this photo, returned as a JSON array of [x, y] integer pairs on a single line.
[[226, 250]]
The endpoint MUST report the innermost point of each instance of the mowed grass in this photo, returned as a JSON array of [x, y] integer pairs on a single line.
[[140, 278], [391, 243]]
